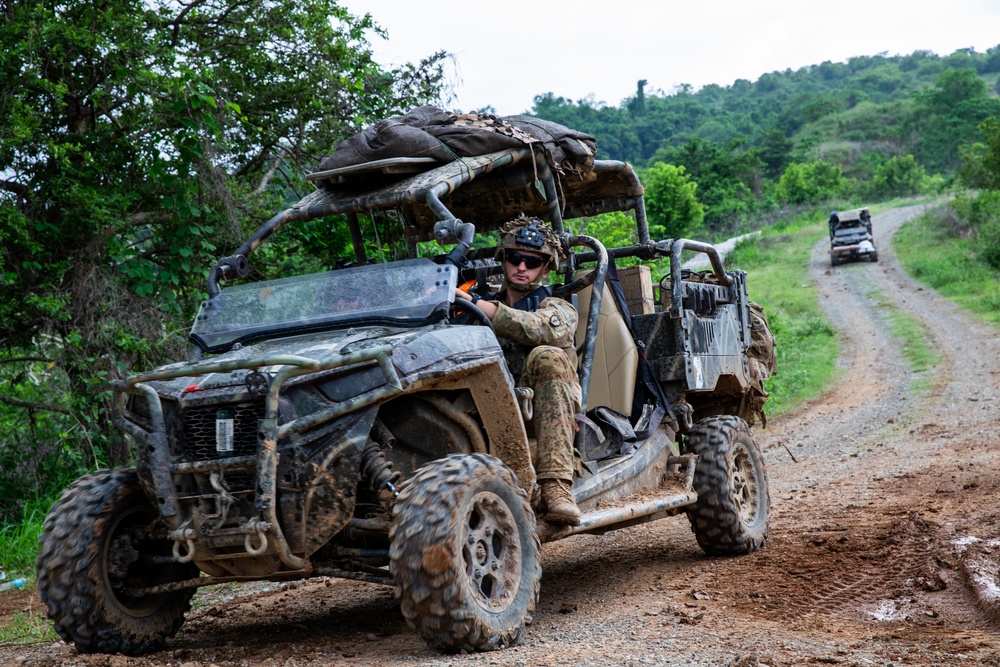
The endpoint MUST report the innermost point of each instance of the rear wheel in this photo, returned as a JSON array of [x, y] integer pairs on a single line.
[[95, 549], [465, 555], [732, 514], [874, 256]]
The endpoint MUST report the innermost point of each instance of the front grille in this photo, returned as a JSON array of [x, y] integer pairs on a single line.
[[200, 430]]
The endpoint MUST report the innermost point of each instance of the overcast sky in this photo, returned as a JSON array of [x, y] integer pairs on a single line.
[[508, 51]]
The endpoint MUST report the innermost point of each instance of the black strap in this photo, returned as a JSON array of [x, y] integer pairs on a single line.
[[482, 287], [655, 417], [533, 301], [616, 289]]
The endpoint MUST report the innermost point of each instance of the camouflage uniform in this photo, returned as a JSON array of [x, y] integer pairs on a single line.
[[537, 335], [539, 347]]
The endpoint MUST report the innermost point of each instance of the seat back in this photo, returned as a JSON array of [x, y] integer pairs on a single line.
[[616, 359]]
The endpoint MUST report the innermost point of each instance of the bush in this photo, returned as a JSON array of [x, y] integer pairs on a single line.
[[672, 208], [982, 213], [811, 183], [899, 176]]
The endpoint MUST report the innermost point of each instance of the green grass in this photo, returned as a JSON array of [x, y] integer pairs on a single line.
[[19, 541], [937, 253], [27, 627], [919, 354], [19, 548]]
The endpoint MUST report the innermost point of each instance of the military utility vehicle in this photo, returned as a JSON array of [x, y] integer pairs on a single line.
[[357, 423], [851, 236]]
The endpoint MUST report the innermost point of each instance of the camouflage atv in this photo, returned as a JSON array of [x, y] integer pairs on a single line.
[[358, 424]]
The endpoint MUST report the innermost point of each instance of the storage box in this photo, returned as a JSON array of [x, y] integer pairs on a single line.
[[637, 285]]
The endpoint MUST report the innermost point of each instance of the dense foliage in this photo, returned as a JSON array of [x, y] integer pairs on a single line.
[[872, 128], [138, 140]]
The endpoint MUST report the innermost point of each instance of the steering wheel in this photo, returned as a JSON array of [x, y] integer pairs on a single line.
[[466, 312]]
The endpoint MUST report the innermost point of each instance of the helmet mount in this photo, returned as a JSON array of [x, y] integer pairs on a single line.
[[530, 236], [533, 235]]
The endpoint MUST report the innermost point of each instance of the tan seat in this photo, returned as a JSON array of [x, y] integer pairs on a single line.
[[616, 360]]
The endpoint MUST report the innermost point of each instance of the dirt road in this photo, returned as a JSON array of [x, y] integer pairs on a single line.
[[884, 501]]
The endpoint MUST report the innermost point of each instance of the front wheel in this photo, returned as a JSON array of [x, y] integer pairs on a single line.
[[96, 548], [464, 554], [733, 511]]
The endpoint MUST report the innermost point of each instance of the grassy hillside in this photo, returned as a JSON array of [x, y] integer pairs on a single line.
[[938, 250]]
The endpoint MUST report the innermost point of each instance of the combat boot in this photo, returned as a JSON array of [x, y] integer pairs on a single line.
[[559, 504]]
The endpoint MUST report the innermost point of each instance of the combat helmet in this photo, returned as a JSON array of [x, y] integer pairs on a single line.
[[531, 234]]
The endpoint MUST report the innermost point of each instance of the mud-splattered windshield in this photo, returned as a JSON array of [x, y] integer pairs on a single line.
[[406, 293]]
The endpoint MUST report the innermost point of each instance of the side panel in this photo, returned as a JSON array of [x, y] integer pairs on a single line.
[[712, 347], [469, 357], [715, 349]]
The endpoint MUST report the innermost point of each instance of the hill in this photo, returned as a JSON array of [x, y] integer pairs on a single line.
[[869, 98], [871, 128]]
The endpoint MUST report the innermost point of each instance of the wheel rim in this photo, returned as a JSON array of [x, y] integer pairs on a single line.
[[125, 568], [744, 484], [491, 550]]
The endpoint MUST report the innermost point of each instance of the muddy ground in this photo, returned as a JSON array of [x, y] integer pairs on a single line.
[[884, 504]]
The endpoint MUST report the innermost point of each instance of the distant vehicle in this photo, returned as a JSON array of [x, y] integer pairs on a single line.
[[851, 236]]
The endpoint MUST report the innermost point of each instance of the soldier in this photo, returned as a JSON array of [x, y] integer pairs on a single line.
[[537, 332]]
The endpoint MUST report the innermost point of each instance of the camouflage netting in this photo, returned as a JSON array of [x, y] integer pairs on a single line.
[[548, 243], [434, 133], [763, 362]]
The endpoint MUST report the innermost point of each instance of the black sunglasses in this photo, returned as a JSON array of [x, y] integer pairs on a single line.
[[530, 261]]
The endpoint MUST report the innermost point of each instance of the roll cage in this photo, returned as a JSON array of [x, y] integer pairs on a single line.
[[435, 203]]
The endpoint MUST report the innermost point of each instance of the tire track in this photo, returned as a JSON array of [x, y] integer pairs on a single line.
[[869, 571]]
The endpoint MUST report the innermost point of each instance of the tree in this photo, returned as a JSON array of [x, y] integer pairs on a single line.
[[982, 213], [728, 176], [947, 116], [810, 183], [981, 160], [899, 176], [137, 138], [981, 169], [775, 151], [637, 105], [951, 87], [672, 208]]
